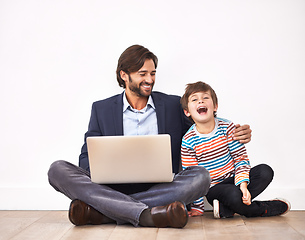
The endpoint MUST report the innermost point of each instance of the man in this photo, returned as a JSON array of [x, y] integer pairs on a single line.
[[137, 111]]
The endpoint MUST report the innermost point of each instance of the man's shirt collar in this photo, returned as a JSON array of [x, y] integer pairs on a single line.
[[126, 104]]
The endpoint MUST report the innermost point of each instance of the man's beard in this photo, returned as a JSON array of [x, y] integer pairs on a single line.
[[137, 89]]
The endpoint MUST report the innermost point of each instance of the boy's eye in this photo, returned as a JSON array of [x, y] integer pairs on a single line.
[[194, 99]]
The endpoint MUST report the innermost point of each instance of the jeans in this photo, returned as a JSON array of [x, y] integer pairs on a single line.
[[75, 183], [230, 196]]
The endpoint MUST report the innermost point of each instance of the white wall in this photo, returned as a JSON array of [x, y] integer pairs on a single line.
[[57, 57]]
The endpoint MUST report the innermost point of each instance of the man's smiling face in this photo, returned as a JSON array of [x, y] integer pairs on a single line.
[[141, 82]]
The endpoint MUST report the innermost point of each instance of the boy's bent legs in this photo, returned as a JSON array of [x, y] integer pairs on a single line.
[[187, 186], [230, 200], [231, 197], [75, 183]]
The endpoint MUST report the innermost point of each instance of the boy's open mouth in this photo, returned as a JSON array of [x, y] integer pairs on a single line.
[[202, 110]]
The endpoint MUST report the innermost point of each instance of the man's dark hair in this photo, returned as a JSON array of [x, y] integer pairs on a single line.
[[132, 59]]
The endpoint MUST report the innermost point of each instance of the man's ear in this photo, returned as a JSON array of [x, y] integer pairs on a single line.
[[124, 75], [186, 113]]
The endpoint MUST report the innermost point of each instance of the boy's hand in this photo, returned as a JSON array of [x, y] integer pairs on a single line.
[[242, 133], [246, 194], [194, 213]]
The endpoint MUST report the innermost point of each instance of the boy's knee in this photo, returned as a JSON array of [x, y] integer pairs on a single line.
[[267, 172]]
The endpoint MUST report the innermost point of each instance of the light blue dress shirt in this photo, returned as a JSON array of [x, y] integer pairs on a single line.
[[139, 122]]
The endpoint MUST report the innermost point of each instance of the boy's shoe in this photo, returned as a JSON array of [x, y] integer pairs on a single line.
[[220, 211], [216, 208], [276, 207]]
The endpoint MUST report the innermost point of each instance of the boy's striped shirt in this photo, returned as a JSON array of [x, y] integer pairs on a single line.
[[222, 156]]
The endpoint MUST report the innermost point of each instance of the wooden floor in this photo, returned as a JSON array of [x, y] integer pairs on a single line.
[[49, 225]]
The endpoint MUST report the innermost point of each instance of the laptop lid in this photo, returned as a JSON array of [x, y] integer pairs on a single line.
[[130, 159]]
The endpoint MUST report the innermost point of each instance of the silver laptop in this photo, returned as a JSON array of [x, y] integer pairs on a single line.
[[130, 159]]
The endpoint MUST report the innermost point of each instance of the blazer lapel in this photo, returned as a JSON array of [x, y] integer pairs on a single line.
[[160, 111]]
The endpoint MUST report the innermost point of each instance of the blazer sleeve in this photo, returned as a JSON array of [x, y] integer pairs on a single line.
[[106, 120], [93, 130]]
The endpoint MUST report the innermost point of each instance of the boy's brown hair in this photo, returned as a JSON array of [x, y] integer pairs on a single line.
[[194, 88]]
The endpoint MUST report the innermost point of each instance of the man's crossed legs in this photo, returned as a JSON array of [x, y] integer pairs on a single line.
[[161, 205]]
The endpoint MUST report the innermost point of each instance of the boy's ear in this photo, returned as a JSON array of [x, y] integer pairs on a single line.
[[186, 113], [215, 108]]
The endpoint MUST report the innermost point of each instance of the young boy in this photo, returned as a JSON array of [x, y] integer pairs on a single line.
[[209, 143]]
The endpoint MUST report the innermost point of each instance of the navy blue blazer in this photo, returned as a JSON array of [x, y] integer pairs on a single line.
[[107, 120]]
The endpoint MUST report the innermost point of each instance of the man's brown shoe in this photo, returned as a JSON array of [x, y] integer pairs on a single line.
[[81, 213], [172, 215]]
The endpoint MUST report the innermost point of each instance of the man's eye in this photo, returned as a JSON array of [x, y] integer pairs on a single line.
[[142, 74], [153, 74]]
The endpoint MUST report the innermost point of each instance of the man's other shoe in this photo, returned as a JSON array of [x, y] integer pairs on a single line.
[[81, 213], [172, 215]]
